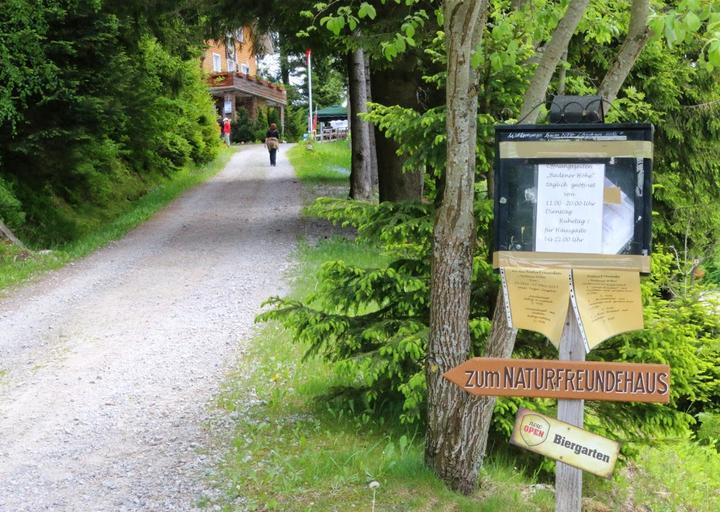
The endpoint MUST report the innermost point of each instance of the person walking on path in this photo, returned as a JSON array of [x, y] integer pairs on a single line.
[[272, 141], [227, 128]]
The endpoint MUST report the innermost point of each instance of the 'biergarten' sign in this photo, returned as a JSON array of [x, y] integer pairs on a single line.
[[564, 442]]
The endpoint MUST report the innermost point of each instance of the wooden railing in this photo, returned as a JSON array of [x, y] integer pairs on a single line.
[[328, 134], [249, 84]]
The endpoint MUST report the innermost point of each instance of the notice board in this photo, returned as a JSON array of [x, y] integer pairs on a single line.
[[573, 192]]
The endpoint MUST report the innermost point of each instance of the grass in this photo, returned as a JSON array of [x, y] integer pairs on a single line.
[[326, 162], [293, 450], [677, 477], [18, 265]]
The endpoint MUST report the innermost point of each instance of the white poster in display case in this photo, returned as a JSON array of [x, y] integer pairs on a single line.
[[569, 208]]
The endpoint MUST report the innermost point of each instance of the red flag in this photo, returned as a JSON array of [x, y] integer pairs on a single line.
[[307, 57]]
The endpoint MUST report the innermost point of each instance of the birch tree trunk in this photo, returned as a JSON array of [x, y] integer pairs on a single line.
[[455, 441], [559, 41], [637, 38], [360, 177], [501, 339]]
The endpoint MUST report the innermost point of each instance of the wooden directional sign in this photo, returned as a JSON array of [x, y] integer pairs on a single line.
[[621, 382], [565, 442]]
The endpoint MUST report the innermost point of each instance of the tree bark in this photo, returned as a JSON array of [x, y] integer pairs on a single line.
[[559, 41], [455, 441], [637, 38], [7, 234], [562, 73], [396, 86], [371, 132], [284, 64], [360, 177]]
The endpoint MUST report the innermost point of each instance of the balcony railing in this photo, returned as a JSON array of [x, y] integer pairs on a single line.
[[248, 85]]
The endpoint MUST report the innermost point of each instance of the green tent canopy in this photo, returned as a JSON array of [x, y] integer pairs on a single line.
[[332, 113]]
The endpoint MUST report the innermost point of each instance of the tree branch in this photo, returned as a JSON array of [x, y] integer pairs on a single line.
[[538, 87], [637, 38]]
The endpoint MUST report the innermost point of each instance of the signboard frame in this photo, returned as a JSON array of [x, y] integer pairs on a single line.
[[528, 147]]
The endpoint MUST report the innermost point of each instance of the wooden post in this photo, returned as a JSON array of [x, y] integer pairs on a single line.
[[568, 480]]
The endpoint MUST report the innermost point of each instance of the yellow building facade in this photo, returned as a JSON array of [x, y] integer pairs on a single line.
[[230, 67]]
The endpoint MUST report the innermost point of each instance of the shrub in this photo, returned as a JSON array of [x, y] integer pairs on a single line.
[[10, 208], [372, 324], [243, 128]]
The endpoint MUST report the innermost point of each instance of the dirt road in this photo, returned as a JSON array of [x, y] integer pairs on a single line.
[[107, 367]]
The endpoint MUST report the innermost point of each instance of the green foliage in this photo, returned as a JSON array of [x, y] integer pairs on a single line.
[[372, 321], [17, 265], [689, 20], [709, 429], [25, 72], [10, 208], [243, 128], [673, 477], [98, 101]]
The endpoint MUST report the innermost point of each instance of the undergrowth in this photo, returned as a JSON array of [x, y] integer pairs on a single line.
[[296, 449], [17, 265]]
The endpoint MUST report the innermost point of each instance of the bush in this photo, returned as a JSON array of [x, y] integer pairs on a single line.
[[98, 109], [372, 325], [243, 128], [10, 208]]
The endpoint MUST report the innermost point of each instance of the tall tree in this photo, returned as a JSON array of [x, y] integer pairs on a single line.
[[452, 450], [397, 84], [361, 162], [637, 37], [371, 131]]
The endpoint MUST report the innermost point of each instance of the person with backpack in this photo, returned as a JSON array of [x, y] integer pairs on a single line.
[[272, 141]]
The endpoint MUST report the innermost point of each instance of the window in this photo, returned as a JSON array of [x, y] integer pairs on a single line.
[[231, 65], [217, 63], [240, 35], [244, 68]]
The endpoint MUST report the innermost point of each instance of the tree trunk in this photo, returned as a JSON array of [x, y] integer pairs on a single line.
[[371, 131], [637, 37], [7, 234], [360, 177], [454, 448], [562, 73], [284, 64], [535, 94], [396, 86], [501, 339]]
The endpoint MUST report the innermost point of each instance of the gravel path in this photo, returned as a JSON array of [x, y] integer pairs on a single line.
[[107, 367]]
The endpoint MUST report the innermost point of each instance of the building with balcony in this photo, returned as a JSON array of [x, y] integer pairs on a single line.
[[230, 67]]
